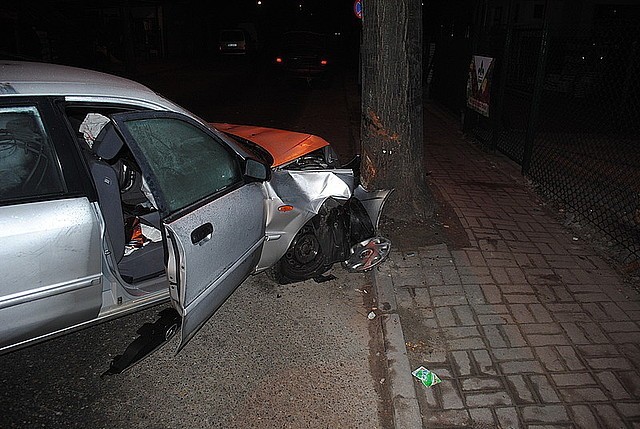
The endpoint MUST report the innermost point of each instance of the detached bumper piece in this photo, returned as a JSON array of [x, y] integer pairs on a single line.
[[348, 236], [367, 254]]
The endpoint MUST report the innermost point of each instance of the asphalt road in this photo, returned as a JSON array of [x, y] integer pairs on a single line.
[[294, 356]]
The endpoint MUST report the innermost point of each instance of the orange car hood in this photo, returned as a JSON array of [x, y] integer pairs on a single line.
[[284, 146]]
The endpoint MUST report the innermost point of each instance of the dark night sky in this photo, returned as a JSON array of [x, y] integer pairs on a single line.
[[70, 25]]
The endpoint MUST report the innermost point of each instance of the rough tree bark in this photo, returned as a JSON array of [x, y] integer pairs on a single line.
[[392, 123]]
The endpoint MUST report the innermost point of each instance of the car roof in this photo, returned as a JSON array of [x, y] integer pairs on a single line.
[[41, 79]]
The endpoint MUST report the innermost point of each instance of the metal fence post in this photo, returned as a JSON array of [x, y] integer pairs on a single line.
[[537, 91], [504, 69]]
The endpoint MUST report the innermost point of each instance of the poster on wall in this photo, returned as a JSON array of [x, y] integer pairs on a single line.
[[479, 84]]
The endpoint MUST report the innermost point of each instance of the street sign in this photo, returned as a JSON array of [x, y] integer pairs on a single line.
[[357, 9]]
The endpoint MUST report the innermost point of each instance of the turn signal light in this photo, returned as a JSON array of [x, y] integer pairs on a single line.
[[286, 208]]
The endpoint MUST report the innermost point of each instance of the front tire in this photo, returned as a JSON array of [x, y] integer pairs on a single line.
[[303, 260]]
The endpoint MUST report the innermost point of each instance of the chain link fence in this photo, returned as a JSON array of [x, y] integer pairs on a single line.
[[575, 127]]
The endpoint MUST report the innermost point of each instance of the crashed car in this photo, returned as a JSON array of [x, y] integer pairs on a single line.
[[113, 199]]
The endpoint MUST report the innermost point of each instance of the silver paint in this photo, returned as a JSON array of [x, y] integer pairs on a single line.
[[36, 240], [207, 274]]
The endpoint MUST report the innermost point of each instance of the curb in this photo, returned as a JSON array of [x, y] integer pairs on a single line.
[[404, 401]]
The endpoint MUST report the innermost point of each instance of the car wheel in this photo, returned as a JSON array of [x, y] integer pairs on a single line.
[[303, 260]]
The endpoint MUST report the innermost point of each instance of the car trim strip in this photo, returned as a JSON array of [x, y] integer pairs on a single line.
[[48, 291], [114, 100]]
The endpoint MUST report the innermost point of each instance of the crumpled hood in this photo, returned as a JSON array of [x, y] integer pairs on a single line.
[[284, 146]]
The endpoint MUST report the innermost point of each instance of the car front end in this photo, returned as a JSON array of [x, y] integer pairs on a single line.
[[318, 213]]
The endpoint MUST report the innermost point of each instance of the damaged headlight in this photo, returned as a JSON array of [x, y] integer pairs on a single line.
[[321, 159]]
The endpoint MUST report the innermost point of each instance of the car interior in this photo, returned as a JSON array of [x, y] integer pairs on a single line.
[[132, 221]]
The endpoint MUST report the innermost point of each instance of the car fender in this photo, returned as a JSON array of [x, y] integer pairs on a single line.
[[295, 197], [373, 202]]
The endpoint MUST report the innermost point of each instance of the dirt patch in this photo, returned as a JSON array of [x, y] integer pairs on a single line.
[[443, 227], [421, 341], [406, 235]]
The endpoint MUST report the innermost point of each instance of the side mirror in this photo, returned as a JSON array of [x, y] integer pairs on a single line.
[[256, 170]]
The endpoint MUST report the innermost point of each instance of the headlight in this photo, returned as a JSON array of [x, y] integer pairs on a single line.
[[321, 159]]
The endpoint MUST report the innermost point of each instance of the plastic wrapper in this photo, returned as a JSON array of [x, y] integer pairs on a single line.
[[426, 377]]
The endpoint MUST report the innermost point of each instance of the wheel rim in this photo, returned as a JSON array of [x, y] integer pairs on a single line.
[[304, 256], [306, 249]]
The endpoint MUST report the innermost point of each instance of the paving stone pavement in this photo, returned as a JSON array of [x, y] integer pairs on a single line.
[[526, 326]]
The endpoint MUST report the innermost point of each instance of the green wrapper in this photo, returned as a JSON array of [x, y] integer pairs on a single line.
[[426, 377]]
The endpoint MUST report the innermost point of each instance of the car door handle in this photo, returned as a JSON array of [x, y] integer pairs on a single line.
[[202, 234]]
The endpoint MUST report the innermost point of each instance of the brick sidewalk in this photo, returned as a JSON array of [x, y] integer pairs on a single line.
[[526, 326]]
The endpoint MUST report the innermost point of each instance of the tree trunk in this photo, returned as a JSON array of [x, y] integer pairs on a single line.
[[392, 122]]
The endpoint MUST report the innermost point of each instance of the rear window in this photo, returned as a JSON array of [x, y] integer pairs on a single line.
[[232, 36], [303, 38], [29, 166]]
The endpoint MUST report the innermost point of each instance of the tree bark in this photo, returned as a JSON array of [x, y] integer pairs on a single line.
[[392, 121]]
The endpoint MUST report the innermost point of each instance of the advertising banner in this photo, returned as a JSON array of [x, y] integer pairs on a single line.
[[479, 84]]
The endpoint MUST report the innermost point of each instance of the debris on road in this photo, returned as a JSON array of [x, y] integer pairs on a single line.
[[371, 315], [418, 346], [321, 278]]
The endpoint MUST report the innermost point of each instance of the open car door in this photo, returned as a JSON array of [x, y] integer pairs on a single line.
[[212, 205]]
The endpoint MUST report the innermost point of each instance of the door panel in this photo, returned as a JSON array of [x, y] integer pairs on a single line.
[[50, 253], [212, 269], [50, 260]]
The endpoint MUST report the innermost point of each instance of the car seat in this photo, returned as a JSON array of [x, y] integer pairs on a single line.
[[147, 261]]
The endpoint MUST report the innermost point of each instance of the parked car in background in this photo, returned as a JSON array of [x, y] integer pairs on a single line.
[[233, 41], [113, 199], [304, 55]]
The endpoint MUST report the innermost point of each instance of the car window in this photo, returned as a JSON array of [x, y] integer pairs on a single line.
[[29, 166], [188, 164]]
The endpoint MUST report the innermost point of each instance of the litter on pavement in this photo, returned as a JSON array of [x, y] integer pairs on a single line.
[[426, 377]]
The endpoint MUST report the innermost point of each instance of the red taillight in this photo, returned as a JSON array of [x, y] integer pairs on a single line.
[[278, 60], [324, 62]]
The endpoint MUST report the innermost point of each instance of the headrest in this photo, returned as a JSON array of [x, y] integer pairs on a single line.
[[108, 143]]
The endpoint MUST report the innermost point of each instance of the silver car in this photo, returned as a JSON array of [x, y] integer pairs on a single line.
[[113, 199]]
